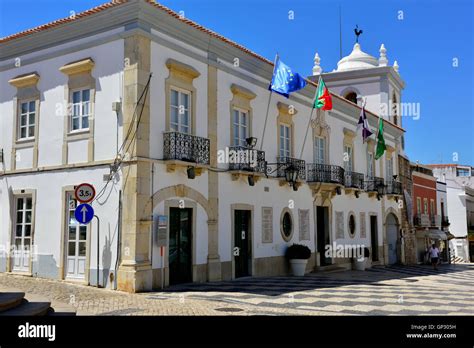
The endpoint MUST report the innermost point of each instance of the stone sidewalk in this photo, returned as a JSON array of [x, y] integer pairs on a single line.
[[397, 290]]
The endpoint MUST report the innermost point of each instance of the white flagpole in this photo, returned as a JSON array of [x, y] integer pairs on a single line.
[[310, 117], [268, 105]]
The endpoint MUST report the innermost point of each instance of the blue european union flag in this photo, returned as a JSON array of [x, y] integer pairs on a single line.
[[284, 80]]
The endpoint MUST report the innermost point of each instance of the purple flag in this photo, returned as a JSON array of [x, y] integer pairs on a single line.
[[364, 124]]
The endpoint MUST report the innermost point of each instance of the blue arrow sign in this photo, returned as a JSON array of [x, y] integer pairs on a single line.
[[84, 213]]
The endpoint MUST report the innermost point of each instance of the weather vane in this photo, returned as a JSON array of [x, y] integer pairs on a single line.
[[357, 32]]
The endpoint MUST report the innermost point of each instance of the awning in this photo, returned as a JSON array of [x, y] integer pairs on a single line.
[[433, 234]]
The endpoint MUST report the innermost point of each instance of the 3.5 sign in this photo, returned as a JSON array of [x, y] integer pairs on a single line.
[[84, 193]]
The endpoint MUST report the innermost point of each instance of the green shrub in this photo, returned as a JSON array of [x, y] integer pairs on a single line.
[[298, 251]]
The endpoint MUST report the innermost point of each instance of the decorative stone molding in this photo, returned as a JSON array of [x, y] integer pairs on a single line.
[[26, 80], [286, 109], [349, 135], [242, 91], [370, 145], [181, 76], [183, 69], [78, 67]]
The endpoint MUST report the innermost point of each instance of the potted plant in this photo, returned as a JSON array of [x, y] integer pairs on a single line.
[[360, 264], [298, 256]]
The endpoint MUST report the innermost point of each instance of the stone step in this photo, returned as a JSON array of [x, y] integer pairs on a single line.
[[329, 269], [61, 309], [31, 305], [10, 298]]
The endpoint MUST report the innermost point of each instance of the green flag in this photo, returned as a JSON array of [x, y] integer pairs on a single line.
[[380, 141]]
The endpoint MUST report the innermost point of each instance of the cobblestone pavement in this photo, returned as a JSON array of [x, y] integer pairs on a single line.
[[396, 290]]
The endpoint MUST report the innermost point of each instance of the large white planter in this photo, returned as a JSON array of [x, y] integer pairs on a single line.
[[298, 267]]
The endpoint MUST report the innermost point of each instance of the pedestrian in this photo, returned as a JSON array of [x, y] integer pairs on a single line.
[[434, 254]]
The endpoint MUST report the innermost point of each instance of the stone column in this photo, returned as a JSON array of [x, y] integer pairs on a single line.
[[135, 273], [213, 259]]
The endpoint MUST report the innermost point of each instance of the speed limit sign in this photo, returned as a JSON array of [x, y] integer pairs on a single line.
[[84, 193]]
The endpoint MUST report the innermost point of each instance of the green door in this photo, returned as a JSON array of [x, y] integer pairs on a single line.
[[180, 245], [242, 243]]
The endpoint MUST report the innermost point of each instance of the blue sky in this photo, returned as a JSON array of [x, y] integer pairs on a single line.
[[431, 34]]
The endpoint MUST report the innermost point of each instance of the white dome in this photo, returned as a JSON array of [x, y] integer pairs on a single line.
[[357, 60]]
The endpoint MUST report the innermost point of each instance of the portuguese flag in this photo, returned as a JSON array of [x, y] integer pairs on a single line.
[[323, 97]]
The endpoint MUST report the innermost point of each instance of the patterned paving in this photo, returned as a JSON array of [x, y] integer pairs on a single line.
[[395, 290]]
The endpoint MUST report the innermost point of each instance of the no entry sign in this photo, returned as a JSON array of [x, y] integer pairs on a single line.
[[84, 193]]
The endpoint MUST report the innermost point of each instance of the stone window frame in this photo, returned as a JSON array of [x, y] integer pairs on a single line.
[[353, 215], [322, 132], [285, 116], [282, 215], [241, 101], [26, 91], [79, 74], [181, 77], [16, 194], [348, 141]]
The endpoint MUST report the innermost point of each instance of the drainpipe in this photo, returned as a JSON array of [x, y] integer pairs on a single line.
[[119, 232]]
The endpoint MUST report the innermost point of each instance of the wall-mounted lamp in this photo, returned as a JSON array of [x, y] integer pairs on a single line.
[[251, 142], [395, 176], [251, 180], [191, 172], [291, 176]]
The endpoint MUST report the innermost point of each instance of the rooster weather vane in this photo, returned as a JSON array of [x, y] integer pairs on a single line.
[[357, 31]]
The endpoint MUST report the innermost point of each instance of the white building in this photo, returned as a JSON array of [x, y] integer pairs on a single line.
[[74, 91], [459, 181]]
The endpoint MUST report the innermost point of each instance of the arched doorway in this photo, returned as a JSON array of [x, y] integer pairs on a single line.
[[392, 238]]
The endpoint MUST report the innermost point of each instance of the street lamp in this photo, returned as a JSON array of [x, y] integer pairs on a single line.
[[291, 176]]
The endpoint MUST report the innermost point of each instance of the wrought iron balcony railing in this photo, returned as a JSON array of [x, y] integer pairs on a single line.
[[283, 162], [325, 173], [435, 220], [246, 159], [185, 147], [422, 220], [375, 184], [394, 187], [354, 180]]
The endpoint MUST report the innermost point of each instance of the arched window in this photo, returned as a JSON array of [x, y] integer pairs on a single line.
[[352, 96]]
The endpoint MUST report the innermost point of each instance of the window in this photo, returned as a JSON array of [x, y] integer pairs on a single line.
[[319, 150], [80, 110], [77, 233], [395, 110], [370, 165], [463, 172], [432, 207], [352, 226], [23, 225], [240, 126], [351, 96], [389, 164], [26, 124], [180, 111], [348, 165], [425, 205], [286, 224], [418, 205], [285, 141]]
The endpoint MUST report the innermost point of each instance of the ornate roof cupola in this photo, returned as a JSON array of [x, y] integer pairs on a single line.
[[383, 61], [357, 60], [317, 70]]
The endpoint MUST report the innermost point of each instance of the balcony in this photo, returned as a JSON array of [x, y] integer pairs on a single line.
[[354, 180], [445, 221], [185, 150], [421, 220], [325, 173], [394, 189], [435, 220], [375, 185], [298, 164], [242, 158]]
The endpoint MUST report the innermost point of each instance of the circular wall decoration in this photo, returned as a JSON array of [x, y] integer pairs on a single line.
[[286, 224]]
